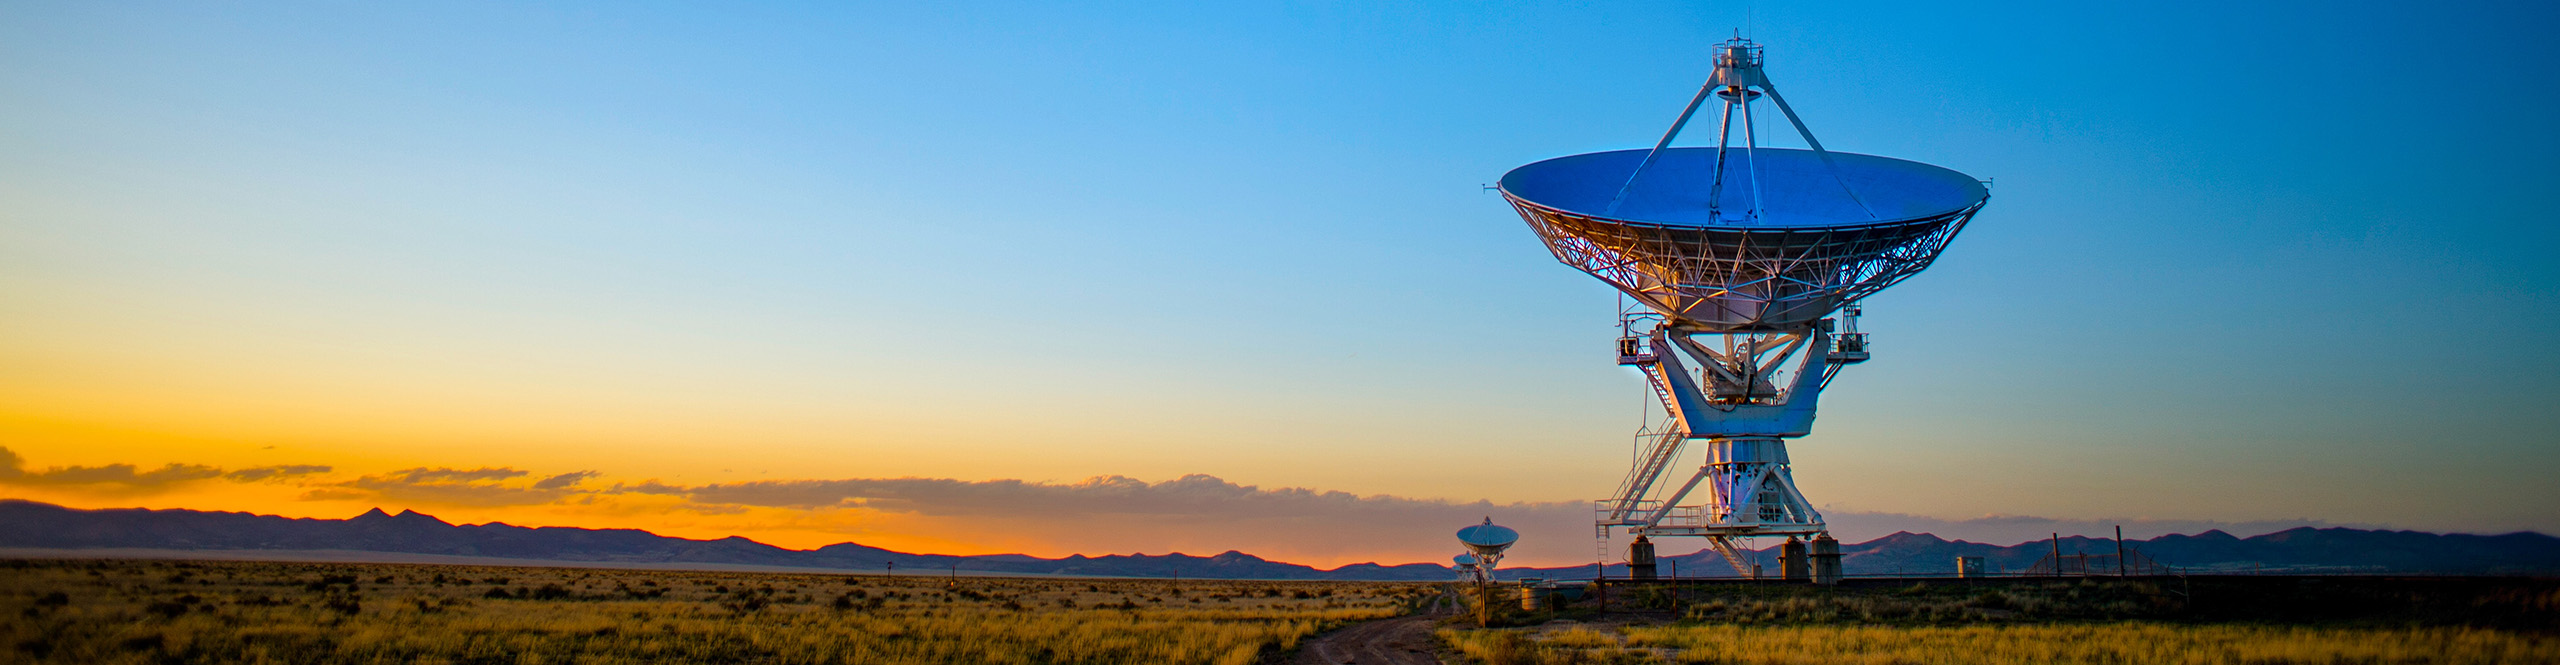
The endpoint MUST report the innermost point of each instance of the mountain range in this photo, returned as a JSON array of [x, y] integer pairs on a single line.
[[28, 524]]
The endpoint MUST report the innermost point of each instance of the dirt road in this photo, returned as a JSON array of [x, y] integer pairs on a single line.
[[1402, 640]]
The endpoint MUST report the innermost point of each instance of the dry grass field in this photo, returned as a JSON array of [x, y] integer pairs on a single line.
[[239, 612], [2066, 644], [152, 612], [2255, 621]]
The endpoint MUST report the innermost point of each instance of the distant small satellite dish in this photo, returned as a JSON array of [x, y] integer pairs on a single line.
[[1464, 559], [1487, 536], [1485, 543]]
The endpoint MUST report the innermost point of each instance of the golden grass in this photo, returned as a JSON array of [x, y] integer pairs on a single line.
[[232, 612], [2111, 643]]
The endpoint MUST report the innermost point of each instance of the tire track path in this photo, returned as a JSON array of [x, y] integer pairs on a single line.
[[1404, 640]]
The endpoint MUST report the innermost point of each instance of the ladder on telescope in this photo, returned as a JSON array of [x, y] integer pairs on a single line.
[[1631, 492], [1664, 449]]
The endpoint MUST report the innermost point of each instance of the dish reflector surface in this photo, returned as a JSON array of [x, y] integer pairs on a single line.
[[1488, 536], [1795, 189], [1809, 249]]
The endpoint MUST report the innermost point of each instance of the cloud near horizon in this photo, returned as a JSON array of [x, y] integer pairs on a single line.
[[130, 479], [1190, 497], [485, 487], [1197, 513]]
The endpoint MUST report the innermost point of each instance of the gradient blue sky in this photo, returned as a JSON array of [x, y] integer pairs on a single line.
[[2244, 263]]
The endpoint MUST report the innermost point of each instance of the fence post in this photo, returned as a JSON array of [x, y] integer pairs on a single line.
[[2119, 550]]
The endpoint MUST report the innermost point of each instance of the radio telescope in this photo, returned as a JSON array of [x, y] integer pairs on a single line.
[[1740, 256], [1485, 542]]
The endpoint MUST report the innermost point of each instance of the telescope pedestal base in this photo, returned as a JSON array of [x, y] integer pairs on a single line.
[[1751, 491]]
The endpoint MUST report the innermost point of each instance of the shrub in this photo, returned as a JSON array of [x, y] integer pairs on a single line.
[[166, 610]]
